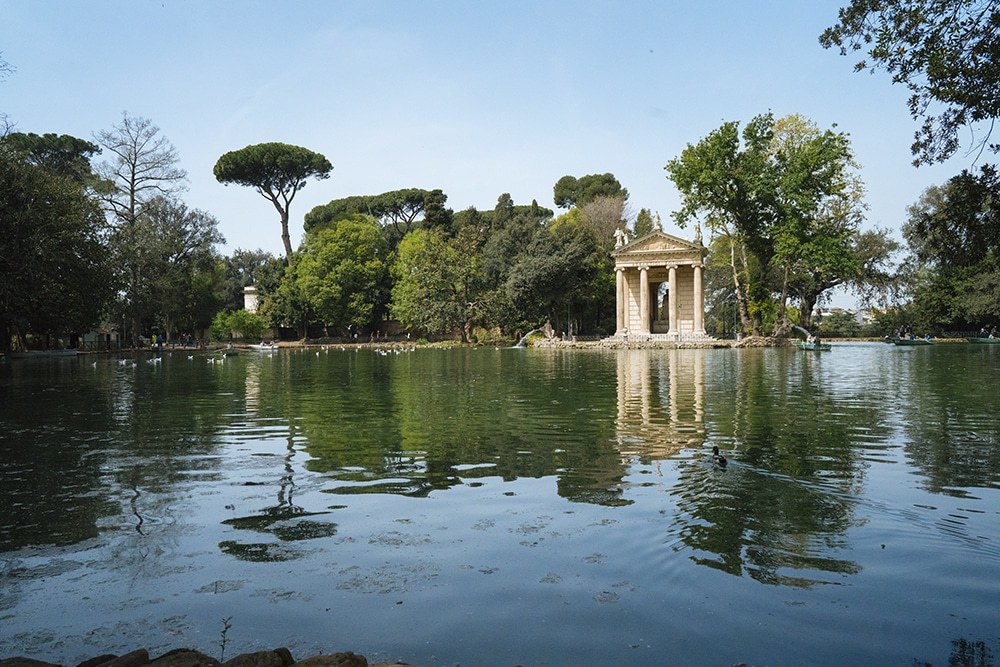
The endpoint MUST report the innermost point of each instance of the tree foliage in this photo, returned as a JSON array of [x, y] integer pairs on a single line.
[[60, 154], [954, 236], [643, 223], [570, 191], [398, 211], [179, 249], [52, 258], [277, 171], [438, 284], [787, 198], [342, 273], [943, 51]]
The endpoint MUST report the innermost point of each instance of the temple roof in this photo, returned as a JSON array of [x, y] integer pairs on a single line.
[[658, 246]]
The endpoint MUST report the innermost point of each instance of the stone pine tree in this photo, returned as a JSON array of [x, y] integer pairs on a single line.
[[277, 171]]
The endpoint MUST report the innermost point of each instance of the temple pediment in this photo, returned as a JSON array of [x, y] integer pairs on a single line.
[[660, 246]]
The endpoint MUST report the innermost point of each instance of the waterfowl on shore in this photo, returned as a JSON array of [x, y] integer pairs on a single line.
[[718, 458]]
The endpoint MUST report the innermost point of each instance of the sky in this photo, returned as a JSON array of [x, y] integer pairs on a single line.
[[477, 98]]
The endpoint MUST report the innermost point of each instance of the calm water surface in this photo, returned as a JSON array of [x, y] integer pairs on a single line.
[[496, 507]]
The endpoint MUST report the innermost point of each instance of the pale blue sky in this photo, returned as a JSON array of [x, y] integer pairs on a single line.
[[475, 98]]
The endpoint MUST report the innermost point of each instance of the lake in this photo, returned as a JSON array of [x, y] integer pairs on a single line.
[[506, 506]]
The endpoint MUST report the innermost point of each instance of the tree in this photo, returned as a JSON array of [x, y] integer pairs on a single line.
[[570, 191], [277, 171], [438, 284], [142, 166], [726, 181], [604, 214], [560, 277], [643, 223], [954, 236], [943, 51], [6, 69], [821, 202], [52, 257], [436, 216], [238, 323], [787, 197], [181, 247], [60, 154], [342, 272]]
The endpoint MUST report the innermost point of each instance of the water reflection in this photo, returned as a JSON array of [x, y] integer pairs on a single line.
[[525, 484], [781, 511], [661, 397]]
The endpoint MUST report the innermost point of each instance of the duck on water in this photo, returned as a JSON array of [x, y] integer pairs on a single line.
[[717, 458]]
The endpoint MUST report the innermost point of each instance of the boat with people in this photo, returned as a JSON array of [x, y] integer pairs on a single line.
[[264, 347], [912, 341], [812, 342], [813, 346], [991, 340]]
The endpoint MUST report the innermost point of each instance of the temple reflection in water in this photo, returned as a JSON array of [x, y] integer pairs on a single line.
[[660, 402]]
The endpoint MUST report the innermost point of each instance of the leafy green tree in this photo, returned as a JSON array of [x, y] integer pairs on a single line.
[[60, 154], [787, 198], [943, 51], [181, 246], [821, 202], [247, 325], [570, 191], [840, 323], [564, 277], [643, 223], [954, 236], [437, 284], [338, 209], [342, 273], [277, 171], [727, 181], [52, 257], [436, 216], [398, 211]]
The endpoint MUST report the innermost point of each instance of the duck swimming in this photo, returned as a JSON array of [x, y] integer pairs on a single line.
[[718, 458]]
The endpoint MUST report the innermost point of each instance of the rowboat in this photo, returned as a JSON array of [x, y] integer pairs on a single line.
[[264, 347], [984, 341], [911, 341], [813, 347]]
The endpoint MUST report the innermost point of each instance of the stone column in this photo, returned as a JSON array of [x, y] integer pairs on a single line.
[[699, 302], [621, 300], [674, 324], [644, 299]]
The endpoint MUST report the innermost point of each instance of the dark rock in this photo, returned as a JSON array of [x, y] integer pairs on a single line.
[[25, 662], [133, 659], [184, 657], [347, 659], [98, 660], [277, 658]]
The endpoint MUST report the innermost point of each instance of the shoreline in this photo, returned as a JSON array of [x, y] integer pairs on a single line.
[[184, 657]]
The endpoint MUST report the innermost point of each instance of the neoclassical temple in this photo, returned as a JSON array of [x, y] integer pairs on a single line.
[[659, 292]]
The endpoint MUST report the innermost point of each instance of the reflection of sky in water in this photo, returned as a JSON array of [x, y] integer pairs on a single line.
[[496, 507]]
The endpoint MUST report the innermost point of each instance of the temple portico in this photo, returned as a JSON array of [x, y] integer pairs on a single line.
[[660, 289]]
